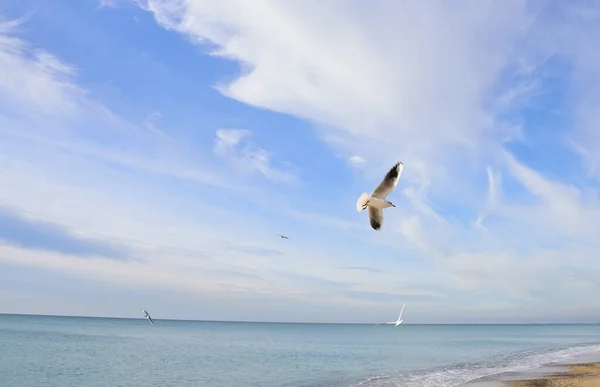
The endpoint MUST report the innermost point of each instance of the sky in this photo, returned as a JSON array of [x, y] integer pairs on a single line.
[[151, 151]]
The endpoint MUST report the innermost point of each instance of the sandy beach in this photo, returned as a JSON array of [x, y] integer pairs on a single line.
[[579, 375]]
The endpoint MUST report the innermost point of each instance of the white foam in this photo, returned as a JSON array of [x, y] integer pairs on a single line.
[[460, 374]]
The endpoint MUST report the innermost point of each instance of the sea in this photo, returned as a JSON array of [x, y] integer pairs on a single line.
[[52, 351]]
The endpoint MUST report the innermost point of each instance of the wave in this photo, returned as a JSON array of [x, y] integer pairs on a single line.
[[460, 374]]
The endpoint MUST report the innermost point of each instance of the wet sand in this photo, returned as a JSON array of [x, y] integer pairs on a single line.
[[579, 375]]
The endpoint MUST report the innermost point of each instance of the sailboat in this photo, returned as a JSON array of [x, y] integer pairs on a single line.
[[397, 322]]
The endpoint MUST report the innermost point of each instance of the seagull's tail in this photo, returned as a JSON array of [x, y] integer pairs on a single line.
[[362, 201]]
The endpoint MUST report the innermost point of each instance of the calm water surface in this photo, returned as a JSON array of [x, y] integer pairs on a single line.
[[94, 352]]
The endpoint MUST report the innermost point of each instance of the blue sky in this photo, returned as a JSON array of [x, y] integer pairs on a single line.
[[151, 151]]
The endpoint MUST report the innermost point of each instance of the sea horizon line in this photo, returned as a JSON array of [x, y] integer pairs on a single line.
[[291, 322]]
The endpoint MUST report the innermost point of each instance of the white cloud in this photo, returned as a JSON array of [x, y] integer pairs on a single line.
[[150, 124], [51, 171], [416, 84], [357, 160], [494, 186], [560, 210], [229, 138], [429, 83], [42, 104], [109, 3], [416, 88], [233, 145], [578, 26], [384, 84], [33, 80]]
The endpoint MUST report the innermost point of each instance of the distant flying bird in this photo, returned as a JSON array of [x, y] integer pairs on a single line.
[[283, 236], [376, 201], [397, 322], [147, 315]]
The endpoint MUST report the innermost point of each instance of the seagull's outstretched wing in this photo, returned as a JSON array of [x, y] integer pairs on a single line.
[[401, 310], [389, 182], [375, 217]]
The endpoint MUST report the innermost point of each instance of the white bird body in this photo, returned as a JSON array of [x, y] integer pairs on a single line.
[[380, 204], [376, 202], [399, 320]]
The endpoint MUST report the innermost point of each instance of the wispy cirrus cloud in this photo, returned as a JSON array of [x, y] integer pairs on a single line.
[[235, 146], [34, 81], [369, 269]]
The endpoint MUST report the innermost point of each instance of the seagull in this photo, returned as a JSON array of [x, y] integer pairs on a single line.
[[397, 322], [147, 315], [283, 236], [376, 201]]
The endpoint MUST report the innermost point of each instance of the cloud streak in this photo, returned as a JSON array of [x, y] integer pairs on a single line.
[[234, 146], [35, 82], [21, 231]]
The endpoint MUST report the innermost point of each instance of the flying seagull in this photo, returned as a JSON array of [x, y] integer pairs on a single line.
[[376, 201], [147, 315], [283, 236], [397, 322]]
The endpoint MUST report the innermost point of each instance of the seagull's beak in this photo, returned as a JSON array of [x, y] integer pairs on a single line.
[[392, 204]]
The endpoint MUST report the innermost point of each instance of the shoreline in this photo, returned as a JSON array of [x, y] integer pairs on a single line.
[[576, 375], [580, 370]]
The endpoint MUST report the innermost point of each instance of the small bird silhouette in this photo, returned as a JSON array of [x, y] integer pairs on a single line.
[[147, 315], [283, 236]]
